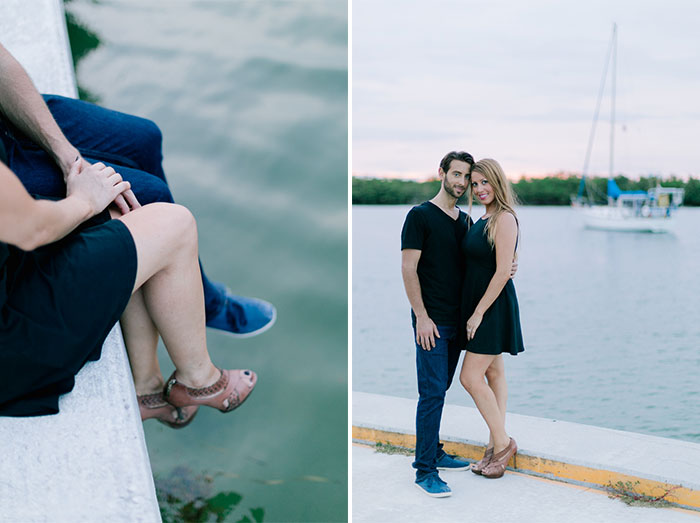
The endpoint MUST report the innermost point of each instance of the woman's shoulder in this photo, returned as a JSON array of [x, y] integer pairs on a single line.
[[507, 219], [507, 226]]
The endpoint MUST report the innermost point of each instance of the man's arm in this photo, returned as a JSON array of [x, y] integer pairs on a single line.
[[426, 330], [22, 104]]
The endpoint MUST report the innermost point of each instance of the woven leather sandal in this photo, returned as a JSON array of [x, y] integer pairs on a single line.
[[481, 464], [153, 406], [497, 467], [229, 391]]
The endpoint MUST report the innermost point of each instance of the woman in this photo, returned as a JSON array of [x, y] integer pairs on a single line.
[[68, 272], [490, 309]]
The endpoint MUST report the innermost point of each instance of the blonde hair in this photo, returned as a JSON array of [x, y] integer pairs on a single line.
[[504, 197]]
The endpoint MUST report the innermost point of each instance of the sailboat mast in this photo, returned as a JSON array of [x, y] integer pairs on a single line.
[[591, 136], [612, 105]]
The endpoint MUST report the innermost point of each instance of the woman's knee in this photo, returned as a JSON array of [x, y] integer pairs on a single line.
[[165, 228], [470, 381], [494, 373], [179, 222]]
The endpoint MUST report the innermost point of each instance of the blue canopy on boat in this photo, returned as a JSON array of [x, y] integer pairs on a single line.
[[615, 192]]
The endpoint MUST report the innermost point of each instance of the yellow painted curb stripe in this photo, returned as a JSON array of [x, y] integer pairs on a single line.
[[563, 471]]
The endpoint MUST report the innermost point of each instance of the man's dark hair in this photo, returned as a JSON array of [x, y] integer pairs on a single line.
[[455, 155]]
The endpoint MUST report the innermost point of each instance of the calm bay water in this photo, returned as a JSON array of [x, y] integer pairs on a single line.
[[252, 101], [610, 321]]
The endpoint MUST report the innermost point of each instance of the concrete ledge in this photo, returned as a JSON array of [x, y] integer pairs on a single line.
[[34, 31], [89, 462], [570, 452]]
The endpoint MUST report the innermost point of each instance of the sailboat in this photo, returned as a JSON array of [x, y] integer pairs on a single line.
[[637, 211]]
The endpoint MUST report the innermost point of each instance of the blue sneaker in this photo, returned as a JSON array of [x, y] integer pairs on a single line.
[[433, 486], [242, 317], [451, 463]]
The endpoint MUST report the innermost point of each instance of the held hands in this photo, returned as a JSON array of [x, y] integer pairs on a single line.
[[97, 185], [125, 201], [426, 332], [473, 324], [513, 269]]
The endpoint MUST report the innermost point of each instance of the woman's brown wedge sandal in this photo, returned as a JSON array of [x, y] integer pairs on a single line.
[[153, 406], [479, 466], [497, 467], [227, 393]]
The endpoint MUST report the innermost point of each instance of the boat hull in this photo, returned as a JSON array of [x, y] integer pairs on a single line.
[[614, 219]]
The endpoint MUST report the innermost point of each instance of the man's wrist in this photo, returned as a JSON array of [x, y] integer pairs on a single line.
[[64, 157]]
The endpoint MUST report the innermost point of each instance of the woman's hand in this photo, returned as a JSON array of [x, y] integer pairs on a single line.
[[125, 201], [473, 324], [97, 185]]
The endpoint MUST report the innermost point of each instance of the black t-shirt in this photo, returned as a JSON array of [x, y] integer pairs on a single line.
[[440, 268]]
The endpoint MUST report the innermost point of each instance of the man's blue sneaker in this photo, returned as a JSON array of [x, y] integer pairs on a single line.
[[242, 317], [451, 463], [433, 486]]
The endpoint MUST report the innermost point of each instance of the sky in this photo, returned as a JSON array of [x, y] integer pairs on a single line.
[[518, 82]]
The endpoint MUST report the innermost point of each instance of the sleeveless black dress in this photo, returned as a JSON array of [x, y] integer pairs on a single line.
[[499, 330], [57, 305]]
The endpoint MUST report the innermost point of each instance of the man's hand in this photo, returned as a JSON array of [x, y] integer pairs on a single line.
[[426, 332], [126, 202], [513, 268]]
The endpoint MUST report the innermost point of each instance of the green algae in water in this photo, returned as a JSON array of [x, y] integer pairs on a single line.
[[189, 497]]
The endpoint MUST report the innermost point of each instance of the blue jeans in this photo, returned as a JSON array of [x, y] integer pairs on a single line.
[[436, 368], [132, 145]]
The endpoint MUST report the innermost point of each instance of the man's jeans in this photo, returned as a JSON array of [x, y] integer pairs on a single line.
[[132, 145], [436, 368]]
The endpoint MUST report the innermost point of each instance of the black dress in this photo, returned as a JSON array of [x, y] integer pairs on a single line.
[[57, 305], [499, 330]]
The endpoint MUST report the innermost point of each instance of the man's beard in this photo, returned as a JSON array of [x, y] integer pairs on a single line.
[[450, 189]]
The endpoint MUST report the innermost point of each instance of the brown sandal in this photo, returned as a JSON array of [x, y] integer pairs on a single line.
[[229, 391], [481, 464], [153, 406], [497, 467]]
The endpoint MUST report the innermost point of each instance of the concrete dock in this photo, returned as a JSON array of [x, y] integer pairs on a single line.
[[581, 458], [89, 462], [383, 492]]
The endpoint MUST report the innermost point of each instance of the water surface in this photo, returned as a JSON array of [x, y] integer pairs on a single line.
[[252, 101], [609, 321]]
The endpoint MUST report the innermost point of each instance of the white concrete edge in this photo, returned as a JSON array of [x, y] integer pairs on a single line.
[[100, 418], [659, 459], [134, 419], [67, 54]]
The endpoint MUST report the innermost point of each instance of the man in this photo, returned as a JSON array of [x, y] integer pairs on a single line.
[[432, 270], [42, 141]]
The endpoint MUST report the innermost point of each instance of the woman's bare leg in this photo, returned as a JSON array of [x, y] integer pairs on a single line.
[[168, 277], [472, 378], [141, 340], [496, 379]]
